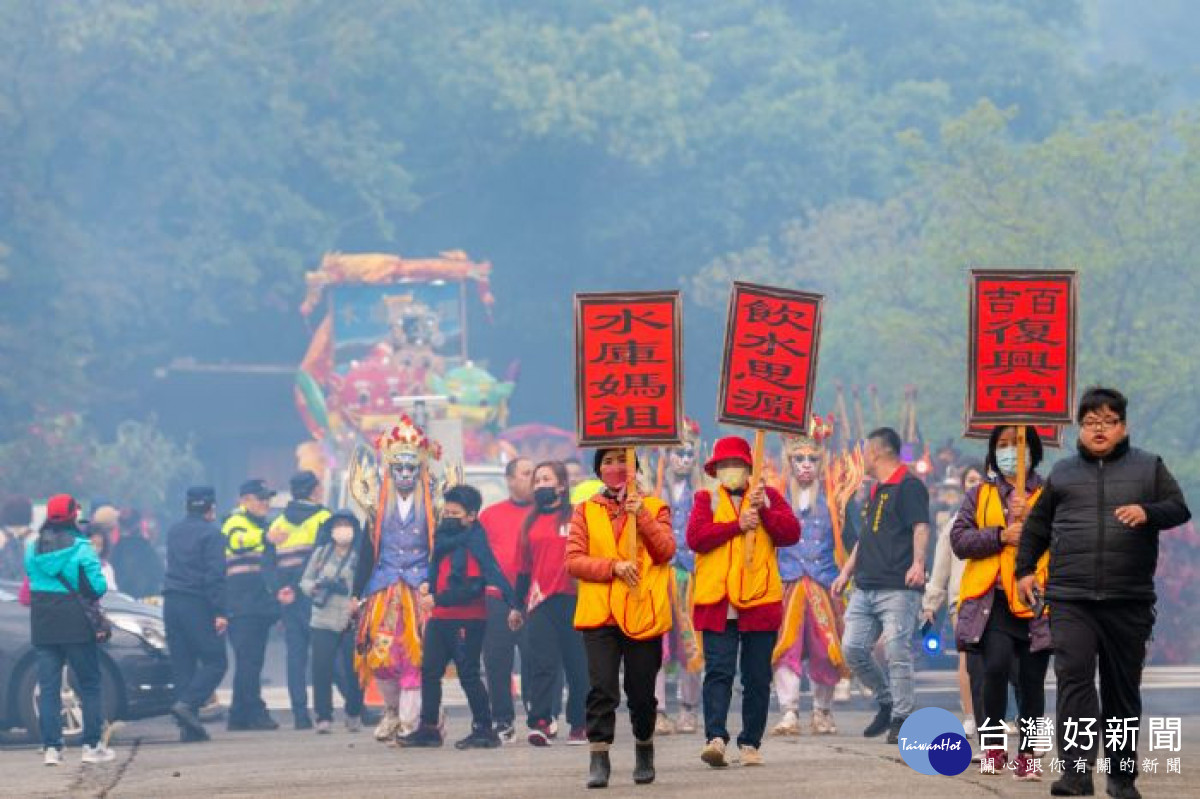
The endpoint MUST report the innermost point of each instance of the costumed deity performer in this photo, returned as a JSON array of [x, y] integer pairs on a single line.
[[393, 575], [812, 627]]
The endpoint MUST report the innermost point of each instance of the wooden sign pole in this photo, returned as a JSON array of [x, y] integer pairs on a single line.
[[1021, 462], [756, 477], [631, 533]]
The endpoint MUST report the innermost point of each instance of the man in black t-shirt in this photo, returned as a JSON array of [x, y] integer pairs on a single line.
[[888, 567]]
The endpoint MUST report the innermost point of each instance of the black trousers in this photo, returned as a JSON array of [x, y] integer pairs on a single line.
[[333, 661], [607, 648], [556, 647], [198, 659], [449, 640], [297, 618], [499, 645], [1111, 634], [248, 637], [998, 652]]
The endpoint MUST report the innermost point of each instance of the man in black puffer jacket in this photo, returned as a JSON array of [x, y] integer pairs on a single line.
[[1100, 516]]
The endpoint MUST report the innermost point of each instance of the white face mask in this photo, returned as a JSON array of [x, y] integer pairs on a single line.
[[343, 536], [733, 477]]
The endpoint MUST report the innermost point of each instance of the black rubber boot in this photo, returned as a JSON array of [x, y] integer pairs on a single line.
[[599, 770], [643, 767]]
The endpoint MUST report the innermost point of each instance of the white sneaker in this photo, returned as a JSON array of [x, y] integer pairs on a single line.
[[52, 757], [388, 725], [788, 725], [969, 727], [98, 754]]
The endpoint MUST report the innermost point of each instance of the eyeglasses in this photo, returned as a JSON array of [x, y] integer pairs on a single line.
[[1092, 423], [684, 453]]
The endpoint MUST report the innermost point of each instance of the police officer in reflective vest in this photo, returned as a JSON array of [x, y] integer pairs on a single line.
[[294, 535], [252, 606]]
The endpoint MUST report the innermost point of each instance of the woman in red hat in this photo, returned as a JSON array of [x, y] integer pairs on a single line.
[[623, 608], [734, 532]]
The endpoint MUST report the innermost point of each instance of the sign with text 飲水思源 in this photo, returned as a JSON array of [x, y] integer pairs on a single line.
[[1021, 347], [628, 368], [770, 364]]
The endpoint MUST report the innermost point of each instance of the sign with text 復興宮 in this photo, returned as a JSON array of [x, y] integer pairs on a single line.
[[770, 364], [628, 368], [1021, 348]]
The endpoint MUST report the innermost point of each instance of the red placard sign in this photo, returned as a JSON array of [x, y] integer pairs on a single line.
[[628, 369], [1050, 434], [770, 365], [1021, 360]]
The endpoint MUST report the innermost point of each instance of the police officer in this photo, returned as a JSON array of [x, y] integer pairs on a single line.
[[194, 610], [294, 535], [252, 607]]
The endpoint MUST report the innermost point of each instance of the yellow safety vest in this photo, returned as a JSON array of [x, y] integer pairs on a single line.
[[245, 543], [722, 572], [641, 613], [293, 552], [980, 575]]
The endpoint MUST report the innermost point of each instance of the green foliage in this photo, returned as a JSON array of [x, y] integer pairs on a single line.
[[139, 467]]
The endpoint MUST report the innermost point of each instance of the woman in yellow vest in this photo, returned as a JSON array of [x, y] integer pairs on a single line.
[[623, 608], [738, 600], [994, 625]]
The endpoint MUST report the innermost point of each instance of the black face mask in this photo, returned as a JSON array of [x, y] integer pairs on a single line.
[[545, 497], [451, 526]]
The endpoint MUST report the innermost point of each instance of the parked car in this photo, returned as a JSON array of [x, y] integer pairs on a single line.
[[135, 670]]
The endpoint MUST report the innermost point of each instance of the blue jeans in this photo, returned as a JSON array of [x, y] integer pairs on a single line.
[[720, 666], [893, 615], [84, 660]]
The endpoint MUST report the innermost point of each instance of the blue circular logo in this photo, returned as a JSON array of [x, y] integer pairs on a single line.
[[933, 741]]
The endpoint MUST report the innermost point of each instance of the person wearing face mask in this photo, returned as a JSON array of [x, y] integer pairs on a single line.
[[253, 608], [1099, 517], [328, 583], [460, 566], [623, 608], [943, 588], [548, 592], [681, 646], [738, 604], [811, 631], [993, 621]]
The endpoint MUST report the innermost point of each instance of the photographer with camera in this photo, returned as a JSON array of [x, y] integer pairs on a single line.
[[327, 582]]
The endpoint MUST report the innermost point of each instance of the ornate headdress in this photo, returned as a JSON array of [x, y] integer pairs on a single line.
[[406, 440], [820, 431], [690, 432]]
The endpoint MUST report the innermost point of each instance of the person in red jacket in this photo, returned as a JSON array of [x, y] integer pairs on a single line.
[[554, 645], [502, 523], [738, 604]]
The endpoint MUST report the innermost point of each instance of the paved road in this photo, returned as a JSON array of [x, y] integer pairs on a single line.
[[300, 764]]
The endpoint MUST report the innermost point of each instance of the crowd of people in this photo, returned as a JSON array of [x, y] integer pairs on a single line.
[[706, 574]]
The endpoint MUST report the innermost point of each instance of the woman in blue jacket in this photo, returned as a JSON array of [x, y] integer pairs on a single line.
[[64, 574]]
